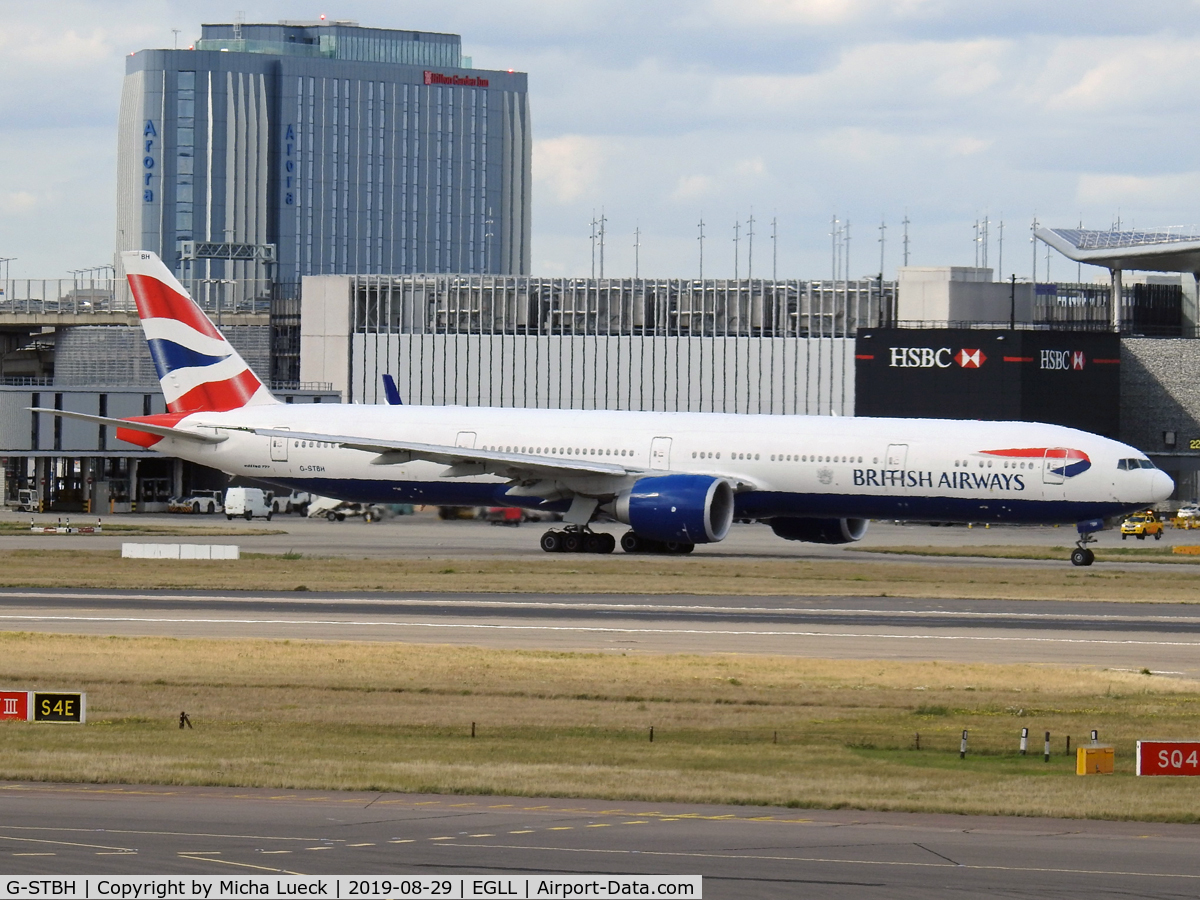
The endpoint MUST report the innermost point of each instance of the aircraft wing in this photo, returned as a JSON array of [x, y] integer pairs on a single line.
[[145, 427], [462, 460]]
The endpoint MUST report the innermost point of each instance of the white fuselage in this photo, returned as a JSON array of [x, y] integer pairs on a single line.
[[924, 469]]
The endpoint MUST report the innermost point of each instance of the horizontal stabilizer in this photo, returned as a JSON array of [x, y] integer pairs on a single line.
[[145, 427]]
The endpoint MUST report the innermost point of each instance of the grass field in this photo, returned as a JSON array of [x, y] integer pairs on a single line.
[[753, 730], [617, 574], [1134, 552]]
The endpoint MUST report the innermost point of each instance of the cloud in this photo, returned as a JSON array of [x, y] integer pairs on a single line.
[[1139, 191], [692, 187], [569, 166], [661, 111]]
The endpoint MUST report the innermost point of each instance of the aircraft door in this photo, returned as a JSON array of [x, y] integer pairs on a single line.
[[279, 448], [897, 456], [1054, 465], [465, 439], [660, 453], [1054, 477]]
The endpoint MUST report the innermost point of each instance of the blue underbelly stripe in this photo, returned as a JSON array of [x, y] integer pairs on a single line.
[[750, 505]]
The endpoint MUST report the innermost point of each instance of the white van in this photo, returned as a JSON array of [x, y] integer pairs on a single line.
[[248, 503]]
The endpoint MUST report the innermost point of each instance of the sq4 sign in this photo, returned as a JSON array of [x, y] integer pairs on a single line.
[[1168, 757]]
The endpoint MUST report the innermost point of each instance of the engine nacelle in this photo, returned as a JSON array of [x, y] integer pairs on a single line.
[[820, 531], [693, 509]]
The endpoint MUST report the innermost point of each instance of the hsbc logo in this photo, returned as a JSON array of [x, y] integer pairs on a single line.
[[940, 358], [970, 359], [1063, 360]]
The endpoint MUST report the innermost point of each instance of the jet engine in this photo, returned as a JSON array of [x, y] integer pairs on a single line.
[[820, 531], [691, 509]]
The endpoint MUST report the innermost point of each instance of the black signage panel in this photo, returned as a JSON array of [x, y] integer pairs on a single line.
[[1062, 377], [58, 707]]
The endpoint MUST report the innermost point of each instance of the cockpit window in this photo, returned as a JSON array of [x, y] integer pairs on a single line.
[[1132, 464]]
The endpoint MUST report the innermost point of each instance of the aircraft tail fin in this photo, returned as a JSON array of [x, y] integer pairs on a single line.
[[198, 368]]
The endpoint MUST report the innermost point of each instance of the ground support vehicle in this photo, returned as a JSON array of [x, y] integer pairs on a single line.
[[1142, 524], [28, 501], [249, 503], [1187, 518], [295, 502], [197, 502]]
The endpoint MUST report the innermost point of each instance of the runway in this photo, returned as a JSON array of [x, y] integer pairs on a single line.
[[424, 536], [1162, 637], [741, 852]]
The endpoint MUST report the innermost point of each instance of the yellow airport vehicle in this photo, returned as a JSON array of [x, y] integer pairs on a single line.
[[1187, 517], [1142, 524]]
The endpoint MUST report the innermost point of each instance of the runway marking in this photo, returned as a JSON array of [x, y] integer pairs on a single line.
[[469, 835], [229, 862], [27, 840], [597, 605], [372, 845], [405, 841], [602, 825], [318, 848], [186, 834], [602, 630], [441, 839], [562, 828], [819, 859], [34, 854], [527, 831]]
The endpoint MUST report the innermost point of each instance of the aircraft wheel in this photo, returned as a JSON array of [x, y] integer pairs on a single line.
[[1081, 556], [686, 548], [572, 542], [631, 543], [594, 543], [608, 543], [551, 542]]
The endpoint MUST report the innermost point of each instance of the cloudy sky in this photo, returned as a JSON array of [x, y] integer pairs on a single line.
[[661, 113]]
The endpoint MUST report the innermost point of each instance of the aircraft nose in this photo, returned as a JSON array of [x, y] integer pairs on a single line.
[[1161, 485]]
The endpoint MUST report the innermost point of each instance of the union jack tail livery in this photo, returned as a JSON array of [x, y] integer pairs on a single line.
[[198, 369]]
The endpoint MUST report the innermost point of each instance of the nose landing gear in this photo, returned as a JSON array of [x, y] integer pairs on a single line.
[[1083, 555]]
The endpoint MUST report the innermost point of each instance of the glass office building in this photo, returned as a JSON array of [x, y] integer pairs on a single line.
[[270, 152]]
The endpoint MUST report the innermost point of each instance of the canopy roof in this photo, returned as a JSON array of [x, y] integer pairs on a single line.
[[1162, 250]]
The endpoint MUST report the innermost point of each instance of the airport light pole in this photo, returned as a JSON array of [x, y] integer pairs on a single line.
[[701, 240]]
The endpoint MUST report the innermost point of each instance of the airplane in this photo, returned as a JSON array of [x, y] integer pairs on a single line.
[[677, 479]]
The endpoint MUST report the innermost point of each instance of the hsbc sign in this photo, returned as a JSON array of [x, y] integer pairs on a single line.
[[936, 358], [1063, 360]]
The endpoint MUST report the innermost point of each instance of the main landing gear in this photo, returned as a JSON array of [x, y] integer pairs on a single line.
[[1082, 555], [578, 540], [632, 542]]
